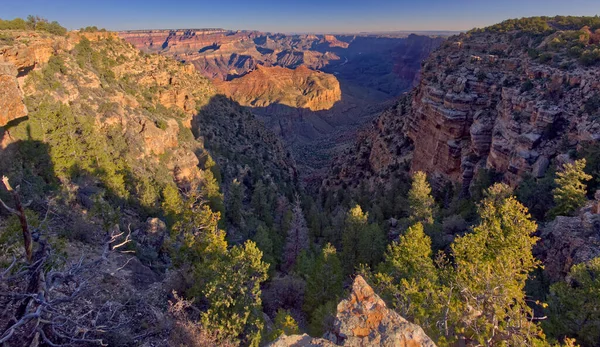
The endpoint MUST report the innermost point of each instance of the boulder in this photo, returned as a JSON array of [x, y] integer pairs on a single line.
[[301, 341], [364, 320], [540, 166]]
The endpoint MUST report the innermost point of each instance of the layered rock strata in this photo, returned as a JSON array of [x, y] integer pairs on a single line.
[[483, 102]]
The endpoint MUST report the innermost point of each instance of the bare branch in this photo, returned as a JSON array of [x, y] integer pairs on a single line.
[[13, 211], [25, 319], [127, 239], [7, 271]]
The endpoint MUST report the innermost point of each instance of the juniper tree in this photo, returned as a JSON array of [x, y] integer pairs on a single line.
[[492, 264]]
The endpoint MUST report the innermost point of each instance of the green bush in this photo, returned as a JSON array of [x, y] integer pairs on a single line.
[[15, 24], [33, 23], [162, 124], [590, 57]]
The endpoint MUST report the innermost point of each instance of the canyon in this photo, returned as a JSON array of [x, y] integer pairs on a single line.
[[485, 102], [257, 179], [315, 91]]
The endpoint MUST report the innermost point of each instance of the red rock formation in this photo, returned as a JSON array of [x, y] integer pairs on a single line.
[[299, 88], [471, 109], [332, 41], [31, 50]]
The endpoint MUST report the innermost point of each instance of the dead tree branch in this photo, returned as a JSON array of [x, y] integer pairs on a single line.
[[19, 210]]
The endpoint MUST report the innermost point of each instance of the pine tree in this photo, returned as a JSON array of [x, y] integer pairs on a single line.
[[421, 203], [211, 165], [297, 239], [322, 318], [362, 243], [261, 203], [264, 242], [324, 282], [211, 191], [410, 257], [569, 194], [284, 324], [235, 202], [172, 204], [491, 266]]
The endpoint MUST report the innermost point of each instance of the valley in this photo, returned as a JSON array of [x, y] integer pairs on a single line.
[[366, 73]]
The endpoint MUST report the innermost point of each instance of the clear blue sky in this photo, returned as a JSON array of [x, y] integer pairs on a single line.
[[292, 16]]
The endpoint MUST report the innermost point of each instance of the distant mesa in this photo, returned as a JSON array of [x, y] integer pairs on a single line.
[[299, 88]]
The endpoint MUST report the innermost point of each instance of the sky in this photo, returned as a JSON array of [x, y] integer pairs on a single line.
[[292, 16]]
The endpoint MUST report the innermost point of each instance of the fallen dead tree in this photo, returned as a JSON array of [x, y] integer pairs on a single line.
[[42, 304]]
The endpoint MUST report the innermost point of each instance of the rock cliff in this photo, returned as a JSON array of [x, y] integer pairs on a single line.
[[11, 96], [487, 99], [568, 241], [364, 320]]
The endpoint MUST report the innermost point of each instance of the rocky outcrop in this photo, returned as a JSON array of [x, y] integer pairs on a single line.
[[332, 41], [299, 88], [364, 320], [301, 341], [32, 49], [568, 241], [11, 96], [484, 102], [28, 50]]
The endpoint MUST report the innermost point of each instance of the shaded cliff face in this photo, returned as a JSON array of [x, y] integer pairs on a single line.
[[380, 155], [507, 101], [299, 88], [364, 320]]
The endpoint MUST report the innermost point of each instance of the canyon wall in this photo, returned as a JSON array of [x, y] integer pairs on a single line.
[[484, 102]]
